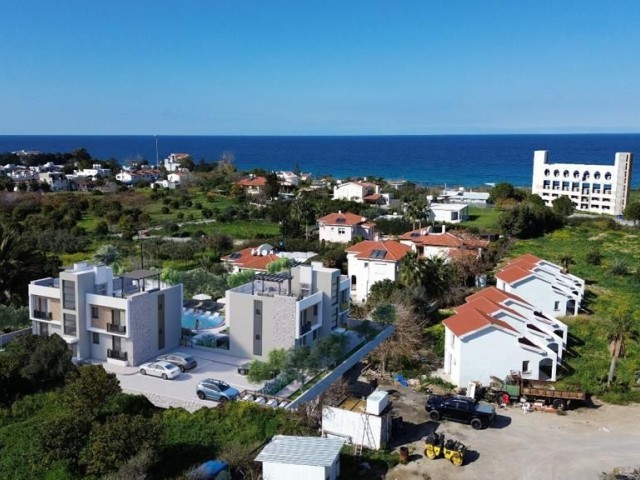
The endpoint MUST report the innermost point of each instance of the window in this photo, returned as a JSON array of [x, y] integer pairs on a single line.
[[334, 319], [94, 311], [69, 324], [341, 231], [116, 317], [334, 289], [68, 295], [525, 366], [315, 310], [96, 338], [44, 329], [556, 306]]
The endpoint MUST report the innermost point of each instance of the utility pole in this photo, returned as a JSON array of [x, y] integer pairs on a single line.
[[157, 157]]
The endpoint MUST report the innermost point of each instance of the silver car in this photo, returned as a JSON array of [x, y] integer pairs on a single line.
[[181, 360], [164, 370]]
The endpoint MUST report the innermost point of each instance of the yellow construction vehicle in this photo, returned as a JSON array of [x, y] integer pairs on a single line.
[[436, 446]]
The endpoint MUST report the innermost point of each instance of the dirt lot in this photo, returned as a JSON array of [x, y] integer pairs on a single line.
[[579, 445]]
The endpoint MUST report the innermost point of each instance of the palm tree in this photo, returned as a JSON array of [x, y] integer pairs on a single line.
[[565, 262], [622, 327], [412, 270], [108, 255], [417, 211], [439, 278]]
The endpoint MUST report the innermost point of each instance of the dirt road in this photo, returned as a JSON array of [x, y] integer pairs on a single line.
[[533, 446]]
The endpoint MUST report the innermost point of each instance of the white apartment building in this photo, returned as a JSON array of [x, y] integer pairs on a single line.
[[286, 309], [591, 188], [124, 320]]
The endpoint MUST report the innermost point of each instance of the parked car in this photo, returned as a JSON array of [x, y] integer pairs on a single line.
[[165, 370], [216, 390], [461, 409], [181, 360]]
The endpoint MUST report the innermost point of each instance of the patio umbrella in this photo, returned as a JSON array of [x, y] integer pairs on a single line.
[[202, 297]]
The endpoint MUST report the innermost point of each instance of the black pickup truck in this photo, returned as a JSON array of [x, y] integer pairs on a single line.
[[461, 409]]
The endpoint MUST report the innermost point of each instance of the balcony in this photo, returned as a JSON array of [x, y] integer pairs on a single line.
[[117, 355], [115, 328], [344, 306], [305, 328], [42, 315]]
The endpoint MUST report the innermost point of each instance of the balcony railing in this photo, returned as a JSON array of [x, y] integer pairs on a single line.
[[304, 328], [42, 315], [115, 328], [117, 354]]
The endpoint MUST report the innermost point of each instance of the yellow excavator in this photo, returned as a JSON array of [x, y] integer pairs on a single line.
[[435, 446]]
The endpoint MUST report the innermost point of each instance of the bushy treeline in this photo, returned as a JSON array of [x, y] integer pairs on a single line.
[[62, 421]]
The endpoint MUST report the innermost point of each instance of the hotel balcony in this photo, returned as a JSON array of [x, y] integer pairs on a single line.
[[42, 315], [115, 328], [117, 355]]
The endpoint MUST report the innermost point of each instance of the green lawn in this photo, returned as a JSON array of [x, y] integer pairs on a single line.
[[589, 357], [486, 219]]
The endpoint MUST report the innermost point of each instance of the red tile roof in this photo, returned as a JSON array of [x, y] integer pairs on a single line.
[[513, 274], [496, 295], [374, 197], [253, 182], [421, 237], [247, 261], [342, 219], [529, 258], [395, 250], [471, 320], [487, 306]]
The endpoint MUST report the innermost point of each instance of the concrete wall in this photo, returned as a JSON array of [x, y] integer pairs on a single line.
[[369, 272], [280, 471], [539, 293], [332, 233]]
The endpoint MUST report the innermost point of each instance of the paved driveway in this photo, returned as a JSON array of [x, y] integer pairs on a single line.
[[181, 391]]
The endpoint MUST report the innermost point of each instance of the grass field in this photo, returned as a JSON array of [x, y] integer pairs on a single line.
[[486, 219], [590, 361]]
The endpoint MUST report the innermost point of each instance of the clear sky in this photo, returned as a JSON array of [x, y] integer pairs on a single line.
[[301, 67]]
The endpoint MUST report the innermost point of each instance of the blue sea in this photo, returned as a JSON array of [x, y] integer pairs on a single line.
[[454, 160]]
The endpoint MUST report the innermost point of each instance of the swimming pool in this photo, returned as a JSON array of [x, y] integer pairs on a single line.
[[204, 321]]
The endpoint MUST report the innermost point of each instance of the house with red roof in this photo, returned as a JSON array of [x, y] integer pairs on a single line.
[[543, 284], [345, 227], [253, 185], [373, 261], [361, 192], [494, 333], [252, 258], [443, 244]]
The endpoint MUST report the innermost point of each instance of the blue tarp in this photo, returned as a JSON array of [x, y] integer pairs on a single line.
[[401, 380], [209, 470]]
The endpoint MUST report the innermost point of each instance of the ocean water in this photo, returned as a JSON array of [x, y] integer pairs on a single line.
[[454, 160]]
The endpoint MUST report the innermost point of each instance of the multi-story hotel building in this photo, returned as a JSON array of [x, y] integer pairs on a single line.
[[125, 320], [591, 188]]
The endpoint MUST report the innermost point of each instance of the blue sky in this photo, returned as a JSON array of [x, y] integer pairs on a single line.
[[318, 67]]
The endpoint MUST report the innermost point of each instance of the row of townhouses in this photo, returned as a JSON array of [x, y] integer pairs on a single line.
[[514, 326]]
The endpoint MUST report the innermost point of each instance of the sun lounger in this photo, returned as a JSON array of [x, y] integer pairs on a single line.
[[260, 401], [248, 398], [272, 403]]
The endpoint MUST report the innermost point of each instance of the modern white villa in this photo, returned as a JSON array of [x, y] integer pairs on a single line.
[[356, 191], [494, 333], [124, 320], [371, 262], [287, 309], [345, 227], [591, 188], [449, 212], [543, 284]]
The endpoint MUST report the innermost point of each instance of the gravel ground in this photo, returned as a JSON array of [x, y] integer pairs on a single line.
[[579, 445]]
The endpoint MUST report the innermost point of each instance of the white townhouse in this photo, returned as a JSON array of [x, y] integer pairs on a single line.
[[356, 191], [449, 212], [124, 320], [543, 284], [494, 333], [345, 227], [591, 188], [56, 180], [443, 244], [371, 262], [172, 162], [94, 172]]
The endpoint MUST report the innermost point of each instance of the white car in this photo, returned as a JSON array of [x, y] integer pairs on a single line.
[[165, 370]]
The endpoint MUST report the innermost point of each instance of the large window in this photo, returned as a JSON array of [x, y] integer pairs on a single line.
[[68, 295], [69, 324], [334, 319], [335, 284]]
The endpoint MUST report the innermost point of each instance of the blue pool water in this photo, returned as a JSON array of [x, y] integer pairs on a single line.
[[205, 321]]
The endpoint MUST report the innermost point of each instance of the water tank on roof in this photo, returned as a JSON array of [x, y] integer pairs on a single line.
[[377, 402]]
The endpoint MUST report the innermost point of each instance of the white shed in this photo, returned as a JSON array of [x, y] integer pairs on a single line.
[[450, 212], [308, 458]]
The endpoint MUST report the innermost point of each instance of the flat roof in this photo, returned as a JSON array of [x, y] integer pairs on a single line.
[[313, 451], [448, 207]]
